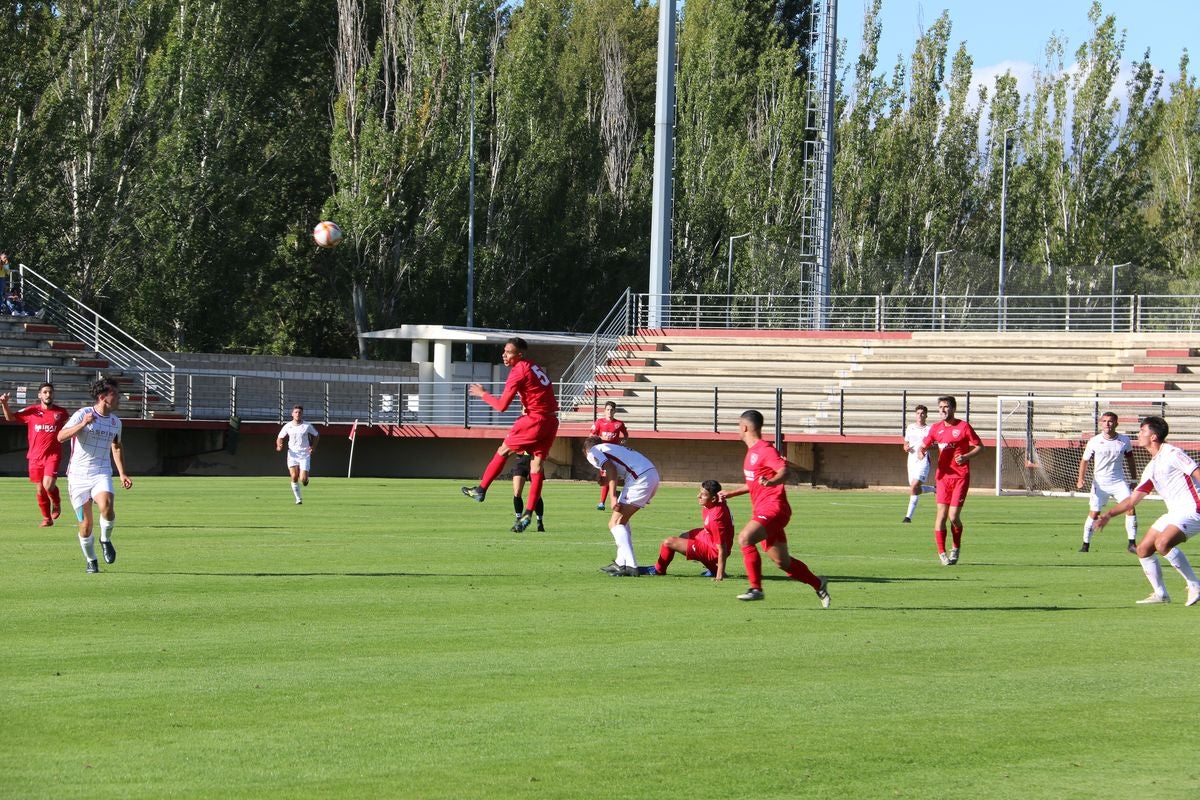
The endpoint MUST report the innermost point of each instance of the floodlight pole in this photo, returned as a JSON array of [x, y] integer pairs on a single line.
[[933, 312], [1113, 295], [1003, 203], [471, 224]]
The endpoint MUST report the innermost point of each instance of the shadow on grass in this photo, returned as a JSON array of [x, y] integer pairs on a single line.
[[310, 574]]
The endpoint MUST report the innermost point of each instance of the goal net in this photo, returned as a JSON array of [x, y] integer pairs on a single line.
[[1040, 440]]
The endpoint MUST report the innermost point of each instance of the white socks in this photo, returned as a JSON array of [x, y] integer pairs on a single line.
[[912, 504], [623, 536], [1087, 529], [106, 528], [1131, 527], [1153, 571], [89, 547], [1180, 562], [296, 490]]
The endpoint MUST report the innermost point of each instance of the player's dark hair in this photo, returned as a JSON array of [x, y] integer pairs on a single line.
[[591, 442], [1158, 426], [712, 487], [921, 408], [45, 384], [950, 401], [753, 418], [611, 403], [1109, 414], [102, 386], [297, 406], [518, 343]]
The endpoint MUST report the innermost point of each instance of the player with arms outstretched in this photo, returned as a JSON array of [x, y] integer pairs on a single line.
[[765, 471], [301, 438], [44, 420], [1176, 477], [533, 432], [1107, 450], [95, 436], [957, 444], [711, 543]]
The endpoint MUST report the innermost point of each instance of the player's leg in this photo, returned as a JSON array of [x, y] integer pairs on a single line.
[[939, 527], [294, 474], [1095, 502], [1167, 544], [914, 494], [603, 491], [622, 533], [50, 483], [669, 547], [36, 475], [106, 509], [518, 498], [958, 497], [751, 534], [491, 471], [776, 547], [1147, 552], [81, 501]]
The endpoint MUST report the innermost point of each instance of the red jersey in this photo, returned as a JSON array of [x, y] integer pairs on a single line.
[[953, 439], [533, 384], [610, 430], [44, 425], [763, 461], [718, 525]]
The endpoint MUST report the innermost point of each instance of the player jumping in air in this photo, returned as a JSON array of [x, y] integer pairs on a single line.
[[533, 432]]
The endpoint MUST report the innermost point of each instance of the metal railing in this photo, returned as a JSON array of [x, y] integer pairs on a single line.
[[99, 333], [1067, 312], [579, 378]]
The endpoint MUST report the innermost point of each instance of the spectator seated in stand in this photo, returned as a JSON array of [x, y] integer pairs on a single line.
[[15, 306]]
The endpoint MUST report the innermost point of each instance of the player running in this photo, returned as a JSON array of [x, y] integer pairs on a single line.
[[44, 420], [611, 431], [95, 433], [1175, 476], [957, 444], [711, 543], [1106, 450], [533, 432], [918, 467], [765, 472], [301, 438]]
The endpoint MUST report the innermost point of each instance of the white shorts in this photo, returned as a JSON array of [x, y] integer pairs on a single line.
[[83, 489], [639, 492], [1188, 523], [301, 461], [1109, 491], [918, 469]]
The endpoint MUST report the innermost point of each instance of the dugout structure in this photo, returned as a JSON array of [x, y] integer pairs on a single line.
[[1040, 439]]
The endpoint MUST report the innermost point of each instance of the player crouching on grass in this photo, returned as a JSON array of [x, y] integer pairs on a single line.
[[709, 544], [640, 479], [1175, 476]]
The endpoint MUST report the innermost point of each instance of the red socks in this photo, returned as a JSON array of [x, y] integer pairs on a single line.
[[665, 554], [956, 534], [43, 502], [753, 563], [535, 490], [494, 468], [799, 571], [940, 538], [603, 492]]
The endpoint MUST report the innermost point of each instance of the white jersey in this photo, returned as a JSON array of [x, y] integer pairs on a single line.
[[300, 437], [1107, 456], [630, 464], [91, 448], [1170, 474], [914, 436]]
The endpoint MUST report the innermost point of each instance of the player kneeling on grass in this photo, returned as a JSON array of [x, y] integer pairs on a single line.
[[765, 472], [709, 544], [1176, 477], [640, 478]]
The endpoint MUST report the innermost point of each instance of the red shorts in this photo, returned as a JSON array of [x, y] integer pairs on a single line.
[[702, 549], [952, 489], [774, 519], [45, 467], [533, 434]]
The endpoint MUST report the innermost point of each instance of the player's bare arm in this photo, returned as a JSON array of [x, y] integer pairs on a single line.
[[1121, 507], [4, 398], [963, 458], [779, 477], [119, 460], [1082, 472], [725, 494], [71, 431]]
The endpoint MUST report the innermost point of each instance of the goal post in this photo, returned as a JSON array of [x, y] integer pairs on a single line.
[[1041, 438]]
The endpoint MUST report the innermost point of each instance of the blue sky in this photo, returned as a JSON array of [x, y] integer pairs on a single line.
[[1012, 35]]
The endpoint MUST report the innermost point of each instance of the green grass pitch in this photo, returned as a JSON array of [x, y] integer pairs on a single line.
[[392, 639]]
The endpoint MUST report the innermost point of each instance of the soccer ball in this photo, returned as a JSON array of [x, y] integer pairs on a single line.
[[327, 234]]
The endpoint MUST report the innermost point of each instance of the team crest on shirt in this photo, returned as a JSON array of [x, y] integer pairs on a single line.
[[754, 458]]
